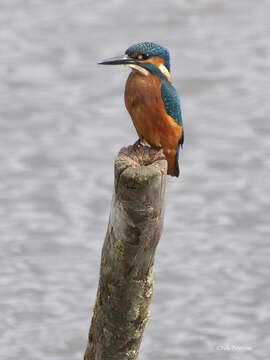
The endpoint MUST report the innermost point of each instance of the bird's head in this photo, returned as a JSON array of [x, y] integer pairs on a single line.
[[144, 57]]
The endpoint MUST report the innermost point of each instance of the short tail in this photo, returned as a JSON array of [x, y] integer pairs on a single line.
[[173, 156]]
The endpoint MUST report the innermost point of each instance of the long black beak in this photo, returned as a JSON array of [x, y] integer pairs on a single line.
[[119, 60]]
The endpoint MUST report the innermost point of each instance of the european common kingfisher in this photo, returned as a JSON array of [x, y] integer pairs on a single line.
[[152, 101]]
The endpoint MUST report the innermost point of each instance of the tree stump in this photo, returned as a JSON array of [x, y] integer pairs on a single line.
[[126, 271]]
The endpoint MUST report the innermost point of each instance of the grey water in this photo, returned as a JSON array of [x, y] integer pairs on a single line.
[[62, 124]]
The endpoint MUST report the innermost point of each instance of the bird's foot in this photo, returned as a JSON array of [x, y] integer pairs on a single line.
[[136, 145]]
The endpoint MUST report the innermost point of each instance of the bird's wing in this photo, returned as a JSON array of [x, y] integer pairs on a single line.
[[172, 105], [171, 101]]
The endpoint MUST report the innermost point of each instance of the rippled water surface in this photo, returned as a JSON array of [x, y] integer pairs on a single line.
[[62, 123]]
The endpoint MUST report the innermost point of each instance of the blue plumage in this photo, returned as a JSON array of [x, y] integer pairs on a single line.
[[172, 105], [168, 93], [147, 98], [152, 68], [151, 49], [169, 96], [171, 101]]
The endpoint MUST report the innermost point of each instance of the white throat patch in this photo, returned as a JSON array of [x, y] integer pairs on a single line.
[[138, 68], [165, 72]]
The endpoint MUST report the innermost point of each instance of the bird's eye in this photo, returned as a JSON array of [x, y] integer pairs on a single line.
[[145, 56]]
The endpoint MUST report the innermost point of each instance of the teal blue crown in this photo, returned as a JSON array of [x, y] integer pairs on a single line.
[[150, 49]]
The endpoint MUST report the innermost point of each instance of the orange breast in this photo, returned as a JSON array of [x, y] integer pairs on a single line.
[[143, 102]]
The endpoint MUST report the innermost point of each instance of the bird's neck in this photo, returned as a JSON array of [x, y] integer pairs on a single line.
[[148, 68]]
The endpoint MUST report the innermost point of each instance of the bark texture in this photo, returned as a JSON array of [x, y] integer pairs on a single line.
[[126, 272]]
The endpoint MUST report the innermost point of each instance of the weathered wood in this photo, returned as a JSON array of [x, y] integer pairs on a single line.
[[126, 272]]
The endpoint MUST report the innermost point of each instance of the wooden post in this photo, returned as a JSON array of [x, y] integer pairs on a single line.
[[126, 272]]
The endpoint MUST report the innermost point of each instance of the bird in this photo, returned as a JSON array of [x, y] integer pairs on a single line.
[[152, 101]]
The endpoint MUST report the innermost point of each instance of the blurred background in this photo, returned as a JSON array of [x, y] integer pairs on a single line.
[[62, 124]]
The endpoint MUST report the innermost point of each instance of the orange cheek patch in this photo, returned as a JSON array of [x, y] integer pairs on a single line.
[[157, 61]]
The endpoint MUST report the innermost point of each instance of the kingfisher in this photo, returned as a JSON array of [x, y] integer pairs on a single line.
[[152, 101]]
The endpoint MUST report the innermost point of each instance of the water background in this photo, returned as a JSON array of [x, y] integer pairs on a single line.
[[62, 124]]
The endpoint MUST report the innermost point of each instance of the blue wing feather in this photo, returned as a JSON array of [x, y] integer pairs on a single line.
[[168, 93], [171, 101], [172, 105]]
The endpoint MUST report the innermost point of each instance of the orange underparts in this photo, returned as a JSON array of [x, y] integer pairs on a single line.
[[153, 124]]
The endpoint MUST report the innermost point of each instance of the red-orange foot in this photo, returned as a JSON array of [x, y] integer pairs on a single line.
[[136, 145]]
